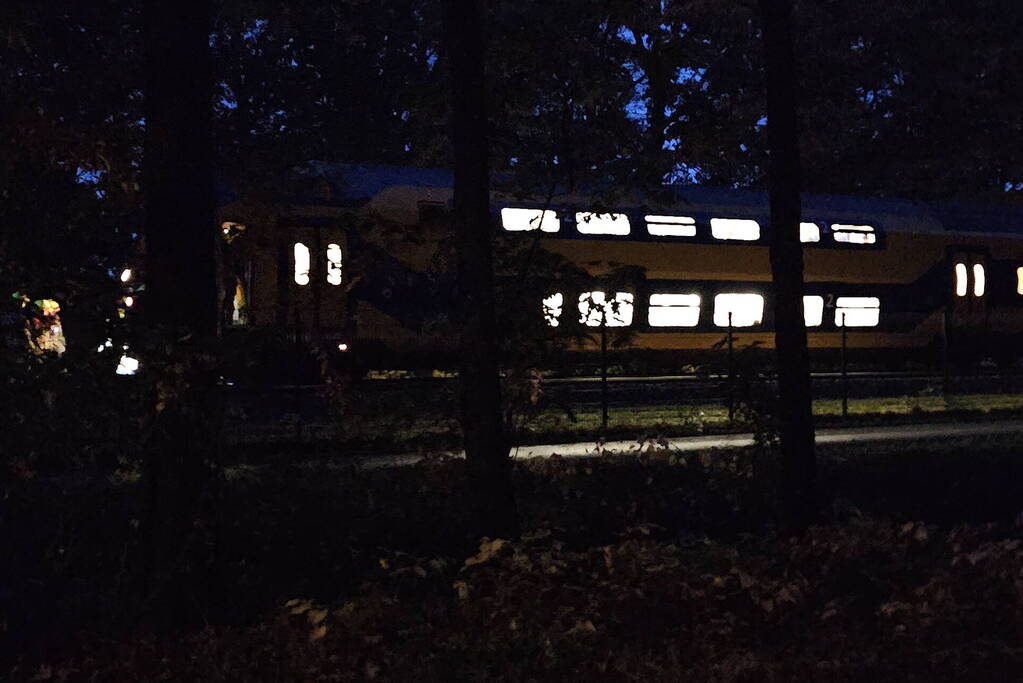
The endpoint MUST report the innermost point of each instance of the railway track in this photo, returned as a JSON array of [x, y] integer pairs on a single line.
[[688, 389], [586, 392]]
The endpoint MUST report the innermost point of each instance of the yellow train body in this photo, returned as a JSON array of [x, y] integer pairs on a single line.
[[940, 273]]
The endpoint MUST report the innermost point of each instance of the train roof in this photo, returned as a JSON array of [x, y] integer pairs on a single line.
[[353, 185]]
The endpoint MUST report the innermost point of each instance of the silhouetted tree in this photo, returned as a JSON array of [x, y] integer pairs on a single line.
[[482, 420], [180, 299], [67, 72], [795, 409], [178, 168]]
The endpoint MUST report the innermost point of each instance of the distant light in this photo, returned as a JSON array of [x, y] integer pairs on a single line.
[[127, 365], [231, 230], [126, 274], [978, 280], [129, 301], [342, 347]]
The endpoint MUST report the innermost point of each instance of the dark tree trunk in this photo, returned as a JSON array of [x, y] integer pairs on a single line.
[[177, 170], [485, 446], [180, 305], [795, 410]]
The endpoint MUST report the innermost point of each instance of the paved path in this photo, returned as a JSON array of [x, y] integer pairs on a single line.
[[697, 443]]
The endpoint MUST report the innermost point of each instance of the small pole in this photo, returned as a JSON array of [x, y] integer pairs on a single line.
[[845, 374], [731, 372], [946, 382], [603, 370]]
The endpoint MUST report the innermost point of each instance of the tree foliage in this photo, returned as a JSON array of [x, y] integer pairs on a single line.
[[912, 99]]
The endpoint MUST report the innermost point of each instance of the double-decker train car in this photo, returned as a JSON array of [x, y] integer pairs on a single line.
[[355, 259]]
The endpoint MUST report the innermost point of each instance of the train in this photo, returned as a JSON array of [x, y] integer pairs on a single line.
[[357, 259]]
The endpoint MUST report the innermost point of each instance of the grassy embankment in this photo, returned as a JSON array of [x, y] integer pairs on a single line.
[[383, 425]]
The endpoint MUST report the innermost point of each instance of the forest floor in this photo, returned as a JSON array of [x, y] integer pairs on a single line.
[[658, 567]]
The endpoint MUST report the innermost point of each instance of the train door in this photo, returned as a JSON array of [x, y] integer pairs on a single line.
[[968, 309], [329, 273]]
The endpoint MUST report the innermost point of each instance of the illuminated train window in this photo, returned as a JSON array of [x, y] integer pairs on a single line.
[[735, 229], [671, 226], [857, 311], [813, 310], [961, 276], [552, 306], [594, 306], [745, 310], [602, 223], [1019, 280], [979, 281], [301, 264], [674, 310], [809, 232], [334, 264], [853, 234], [516, 220]]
